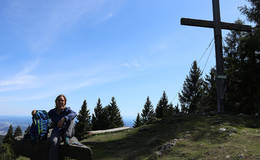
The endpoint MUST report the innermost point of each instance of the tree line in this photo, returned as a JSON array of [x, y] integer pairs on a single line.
[[103, 118], [241, 67]]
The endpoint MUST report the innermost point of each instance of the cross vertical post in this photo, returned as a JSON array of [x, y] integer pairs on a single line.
[[219, 56], [217, 25]]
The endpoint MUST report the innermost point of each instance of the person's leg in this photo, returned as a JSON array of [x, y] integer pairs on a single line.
[[69, 130], [55, 140]]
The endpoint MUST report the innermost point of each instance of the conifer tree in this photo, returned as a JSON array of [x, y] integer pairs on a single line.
[[7, 152], [147, 112], [115, 119], [176, 108], [138, 121], [26, 132], [106, 120], [99, 117], [162, 106], [192, 88], [208, 100], [9, 138], [169, 113], [18, 131], [83, 125]]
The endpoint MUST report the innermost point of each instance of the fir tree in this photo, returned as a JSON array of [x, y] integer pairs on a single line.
[[177, 110], [147, 112], [192, 88], [83, 125], [138, 121], [7, 152], [208, 100], [162, 106], [18, 131], [26, 132], [9, 138], [169, 114], [115, 119], [99, 117]]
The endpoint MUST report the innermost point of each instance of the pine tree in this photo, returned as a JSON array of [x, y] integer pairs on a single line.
[[250, 47], [115, 119], [169, 114], [7, 152], [18, 131], [106, 118], [26, 132], [83, 125], [192, 88], [242, 65], [208, 101], [9, 138], [138, 121], [99, 117], [162, 106], [177, 110], [147, 112]]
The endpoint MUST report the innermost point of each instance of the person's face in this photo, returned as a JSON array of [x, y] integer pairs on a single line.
[[61, 102]]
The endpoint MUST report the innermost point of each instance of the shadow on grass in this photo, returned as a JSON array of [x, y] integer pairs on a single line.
[[142, 143]]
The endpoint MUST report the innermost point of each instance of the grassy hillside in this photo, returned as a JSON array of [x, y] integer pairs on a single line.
[[184, 138]]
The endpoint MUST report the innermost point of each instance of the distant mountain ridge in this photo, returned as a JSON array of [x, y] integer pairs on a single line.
[[25, 121], [6, 121]]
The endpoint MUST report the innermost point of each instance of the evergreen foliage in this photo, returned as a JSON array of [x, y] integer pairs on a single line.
[[208, 101], [99, 118], [18, 131], [9, 138], [138, 121], [177, 110], [169, 114], [242, 65], [162, 106], [83, 125], [192, 90], [6, 152], [114, 117], [147, 112]]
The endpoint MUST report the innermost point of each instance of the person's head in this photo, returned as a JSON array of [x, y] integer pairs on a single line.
[[60, 101]]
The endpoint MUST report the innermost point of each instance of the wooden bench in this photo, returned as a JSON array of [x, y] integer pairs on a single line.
[[40, 150]]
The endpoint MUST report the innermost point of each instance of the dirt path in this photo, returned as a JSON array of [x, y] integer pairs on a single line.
[[108, 130]]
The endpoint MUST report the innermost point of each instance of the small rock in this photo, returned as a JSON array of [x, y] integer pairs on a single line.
[[227, 156], [222, 129]]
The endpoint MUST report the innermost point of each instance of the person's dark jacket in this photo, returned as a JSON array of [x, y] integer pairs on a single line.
[[67, 113]]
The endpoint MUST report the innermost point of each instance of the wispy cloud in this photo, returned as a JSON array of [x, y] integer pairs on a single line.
[[44, 86], [133, 64], [41, 22], [21, 80]]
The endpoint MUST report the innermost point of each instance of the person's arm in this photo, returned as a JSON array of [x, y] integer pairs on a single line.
[[70, 115]]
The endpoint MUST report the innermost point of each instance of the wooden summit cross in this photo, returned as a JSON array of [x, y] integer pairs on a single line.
[[218, 26]]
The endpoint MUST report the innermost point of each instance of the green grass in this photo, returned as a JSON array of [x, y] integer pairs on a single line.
[[198, 138]]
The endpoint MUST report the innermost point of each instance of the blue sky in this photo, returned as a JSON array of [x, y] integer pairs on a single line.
[[85, 49]]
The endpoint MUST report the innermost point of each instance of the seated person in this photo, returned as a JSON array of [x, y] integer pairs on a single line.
[[62, 118]]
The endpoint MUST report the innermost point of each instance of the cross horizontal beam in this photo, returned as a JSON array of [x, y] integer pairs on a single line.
[[212, 24]]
